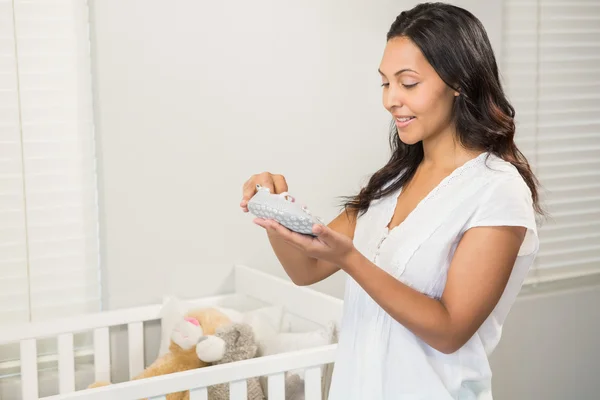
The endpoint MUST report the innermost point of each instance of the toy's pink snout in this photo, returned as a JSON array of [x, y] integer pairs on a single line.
[[193, 321]]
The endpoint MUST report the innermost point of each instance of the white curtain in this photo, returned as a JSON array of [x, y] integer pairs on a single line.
[[49, 252], [551, 69]]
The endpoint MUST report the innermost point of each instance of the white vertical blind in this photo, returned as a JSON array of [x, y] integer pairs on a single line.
[[49, 252], [551, 70], [14, 295], [59, 159]]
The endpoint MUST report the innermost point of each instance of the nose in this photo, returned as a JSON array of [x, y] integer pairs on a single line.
[[393, 97]]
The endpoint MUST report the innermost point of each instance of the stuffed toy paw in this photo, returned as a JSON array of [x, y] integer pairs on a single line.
[[210, 348]]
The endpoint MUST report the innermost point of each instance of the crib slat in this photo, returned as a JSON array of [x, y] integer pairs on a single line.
[[66, 363], [238, 390], [312, 383], [199, 394], [135, 331], [29, 371], [276, 386], [102, 354]]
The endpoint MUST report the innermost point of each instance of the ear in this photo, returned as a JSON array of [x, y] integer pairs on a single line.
[[456, 90], [192, 321]]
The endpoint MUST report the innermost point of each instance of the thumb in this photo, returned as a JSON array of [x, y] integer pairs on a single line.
[[321, 231]]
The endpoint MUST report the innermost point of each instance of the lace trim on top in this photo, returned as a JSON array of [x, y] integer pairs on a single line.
[[390, 207]]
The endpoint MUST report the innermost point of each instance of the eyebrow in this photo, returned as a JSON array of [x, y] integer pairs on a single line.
[[400, 71]]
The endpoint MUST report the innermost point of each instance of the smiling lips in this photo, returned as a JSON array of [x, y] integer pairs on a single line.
[[403, 121]]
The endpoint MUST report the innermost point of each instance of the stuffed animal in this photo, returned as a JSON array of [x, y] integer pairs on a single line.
[[294, 387], [240, 344], [197, 325]]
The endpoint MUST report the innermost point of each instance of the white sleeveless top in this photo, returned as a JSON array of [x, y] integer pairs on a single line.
[[378, 358]]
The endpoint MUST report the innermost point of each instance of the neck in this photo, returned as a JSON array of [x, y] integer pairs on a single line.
[[443, 151]]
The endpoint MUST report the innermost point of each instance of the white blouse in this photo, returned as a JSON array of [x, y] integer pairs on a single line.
[[378, 358]]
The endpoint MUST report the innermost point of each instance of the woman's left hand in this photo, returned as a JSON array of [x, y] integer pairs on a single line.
[[328, 245]]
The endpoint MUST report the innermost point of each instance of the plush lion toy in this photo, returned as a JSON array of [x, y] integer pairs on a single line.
[[187, 333]]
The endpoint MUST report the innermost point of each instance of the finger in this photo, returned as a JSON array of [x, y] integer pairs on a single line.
[[279, 183], [321, 230], [248, 190], [265, 179], [261, 222], [324, 234]]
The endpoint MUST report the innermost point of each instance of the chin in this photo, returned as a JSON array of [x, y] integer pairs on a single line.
[[409, 139]]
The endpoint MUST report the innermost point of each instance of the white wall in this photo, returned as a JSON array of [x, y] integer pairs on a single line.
[[550, 348], [192, 97]]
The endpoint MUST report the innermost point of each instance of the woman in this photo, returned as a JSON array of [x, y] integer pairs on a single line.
[[437, 245]]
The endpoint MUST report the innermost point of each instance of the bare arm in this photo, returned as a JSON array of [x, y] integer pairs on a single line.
[[304, 270], [477, 277]]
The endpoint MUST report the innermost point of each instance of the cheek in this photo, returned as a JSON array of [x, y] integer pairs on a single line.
[[432, 106], [426, 101]]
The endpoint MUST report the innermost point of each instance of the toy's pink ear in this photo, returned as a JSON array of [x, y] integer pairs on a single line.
[[192, 321]]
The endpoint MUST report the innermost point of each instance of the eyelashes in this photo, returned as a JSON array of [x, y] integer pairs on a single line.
[[406, 86]]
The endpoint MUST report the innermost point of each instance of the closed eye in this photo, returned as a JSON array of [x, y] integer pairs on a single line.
[[406, 86]]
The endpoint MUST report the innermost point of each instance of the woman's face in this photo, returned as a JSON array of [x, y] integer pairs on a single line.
[[414, 94]]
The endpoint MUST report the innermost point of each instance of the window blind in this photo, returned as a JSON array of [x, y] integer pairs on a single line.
[[551, 71], [14, 295], [49, 251]]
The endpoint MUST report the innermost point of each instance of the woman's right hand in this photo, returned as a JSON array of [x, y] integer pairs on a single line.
[[303, 270], [276, 184]]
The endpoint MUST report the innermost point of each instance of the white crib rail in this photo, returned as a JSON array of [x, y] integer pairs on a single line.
[[102, 354], [312, 383], [135, 334], [66, 363], [88, 322], [29, 372], [64, 329], [235, 374], [300, 300], [197, 394], [276, 386], [238, 390]]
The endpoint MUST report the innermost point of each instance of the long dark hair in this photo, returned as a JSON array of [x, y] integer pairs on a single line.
[[456, 45]]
